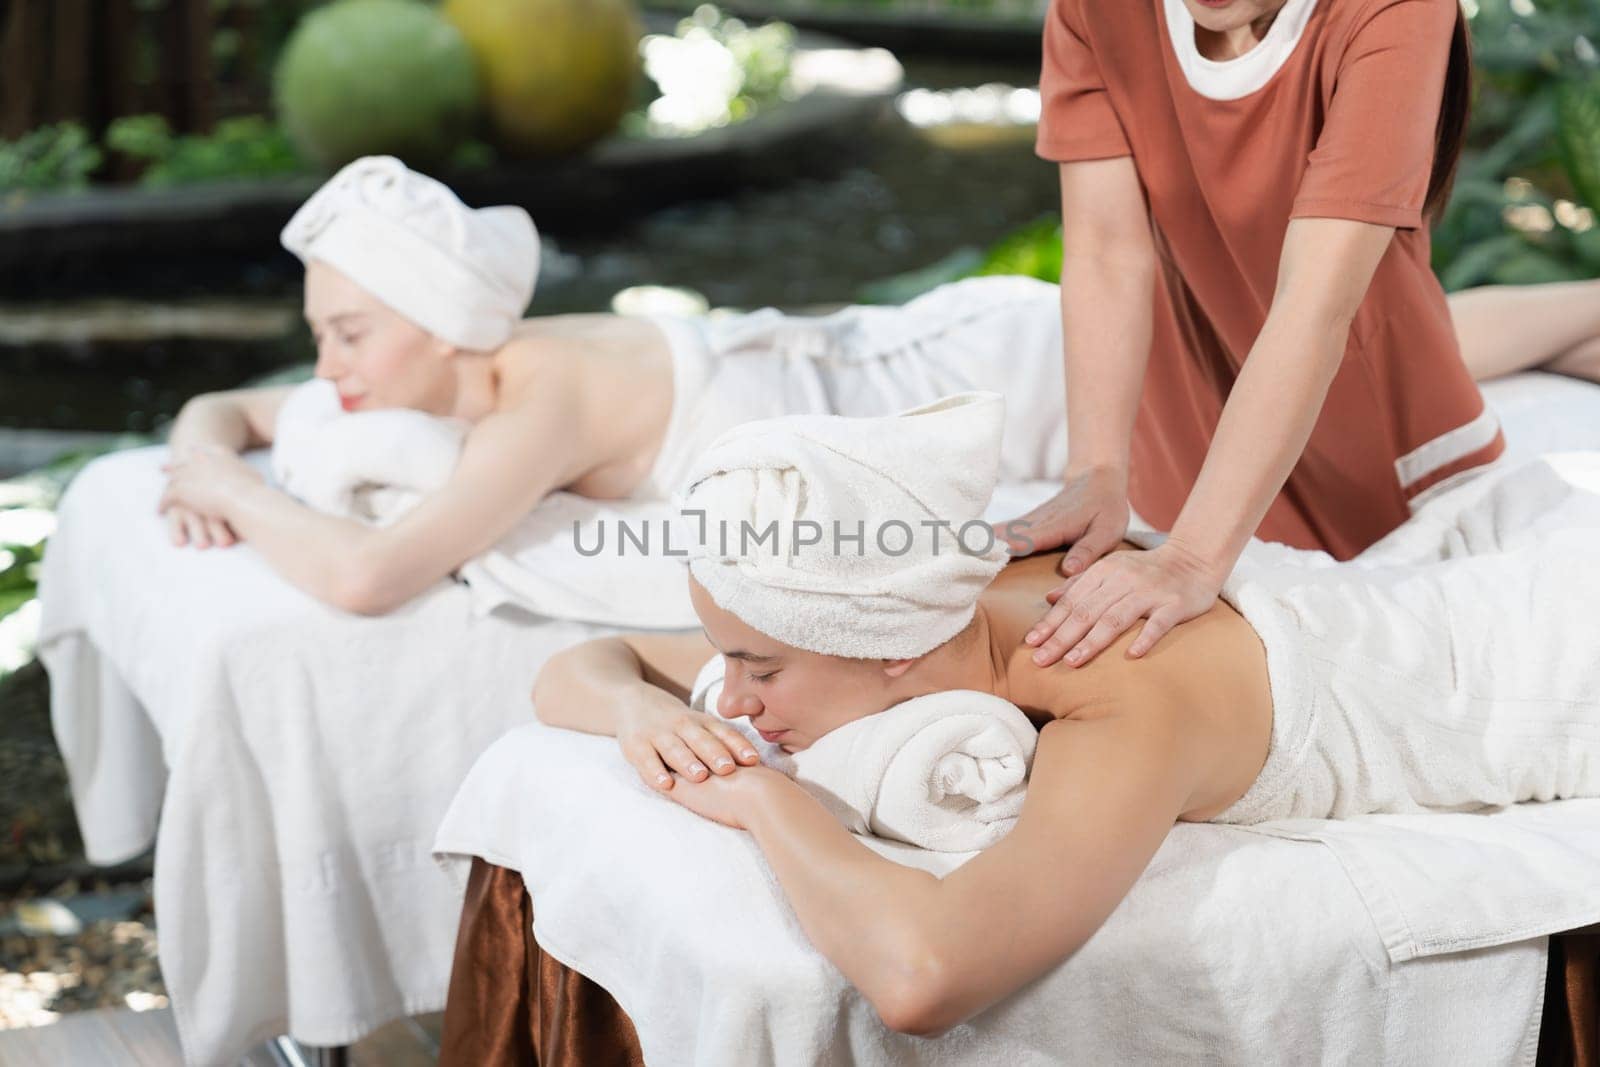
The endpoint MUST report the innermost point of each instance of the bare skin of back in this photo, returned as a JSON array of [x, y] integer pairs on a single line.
[[623, 394], [1214, 668]]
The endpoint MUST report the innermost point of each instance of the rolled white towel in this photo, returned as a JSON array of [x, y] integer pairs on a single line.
[[946, 772], [368, 465]]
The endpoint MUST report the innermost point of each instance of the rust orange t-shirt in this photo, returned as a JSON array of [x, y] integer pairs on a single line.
[[1334, 117]]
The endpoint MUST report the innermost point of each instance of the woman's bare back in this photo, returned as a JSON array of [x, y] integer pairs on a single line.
[[1211, 671], [615, 373]]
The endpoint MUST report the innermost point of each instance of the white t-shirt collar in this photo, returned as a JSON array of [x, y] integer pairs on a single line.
[[1231, 79]]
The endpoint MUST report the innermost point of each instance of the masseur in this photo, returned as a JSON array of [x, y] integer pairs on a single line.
[[1462, 675], [1255, 342]]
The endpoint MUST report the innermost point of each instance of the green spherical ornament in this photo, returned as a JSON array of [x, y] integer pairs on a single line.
[[558, 74], [377, 77]]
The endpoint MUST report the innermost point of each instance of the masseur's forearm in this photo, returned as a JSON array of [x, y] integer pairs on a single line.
[[586, 686], [867, 915], [1106, 300], [1269, 416], [331, 558]]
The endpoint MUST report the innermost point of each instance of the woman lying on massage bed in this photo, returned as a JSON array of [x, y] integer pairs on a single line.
[[415, 302], [1460, 674]]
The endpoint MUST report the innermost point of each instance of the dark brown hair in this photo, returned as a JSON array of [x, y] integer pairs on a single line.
[[1451, 132]]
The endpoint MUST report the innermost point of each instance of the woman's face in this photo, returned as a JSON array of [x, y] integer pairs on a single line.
[[1220, 16], [376, 357], [792, 696]]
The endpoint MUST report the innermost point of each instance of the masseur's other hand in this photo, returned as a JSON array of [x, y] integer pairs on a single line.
[[660, 734], [1166, 586], [1090, 513], [201, 481]]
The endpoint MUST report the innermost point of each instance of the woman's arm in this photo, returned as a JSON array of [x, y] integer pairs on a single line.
[[1323, 275], [237, 420], [930, 953], [634, 688], [1107, 288], [582, 687], [510, 460]]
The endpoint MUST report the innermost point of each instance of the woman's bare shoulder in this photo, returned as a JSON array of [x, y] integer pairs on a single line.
[[598, 353]]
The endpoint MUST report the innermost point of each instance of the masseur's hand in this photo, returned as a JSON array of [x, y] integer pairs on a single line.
[[659, 734], [200, 485], [1166, 585], [1090, 513]]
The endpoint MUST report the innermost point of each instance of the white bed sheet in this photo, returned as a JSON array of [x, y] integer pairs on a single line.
[[299, 760], [1234, 947]]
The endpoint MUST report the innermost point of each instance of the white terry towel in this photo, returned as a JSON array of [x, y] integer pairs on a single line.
[[368, 465], [463, 275], [377, 465], [911, 490], [946, 772]]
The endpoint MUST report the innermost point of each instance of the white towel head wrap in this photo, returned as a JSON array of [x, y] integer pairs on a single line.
[[785, 499], [464, 275]]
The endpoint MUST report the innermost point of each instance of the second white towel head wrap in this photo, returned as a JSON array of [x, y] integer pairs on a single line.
[[464, 275], [858, 537]]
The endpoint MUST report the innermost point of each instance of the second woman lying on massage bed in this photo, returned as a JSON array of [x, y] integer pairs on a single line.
[[415, 302], [1460, 673]]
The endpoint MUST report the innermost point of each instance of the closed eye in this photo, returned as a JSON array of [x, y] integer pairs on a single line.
[[761, 677]]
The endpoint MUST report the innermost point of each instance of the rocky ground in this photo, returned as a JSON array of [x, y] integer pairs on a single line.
[[71, 939]]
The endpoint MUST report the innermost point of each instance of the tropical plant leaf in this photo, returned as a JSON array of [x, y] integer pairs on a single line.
[[1578, 127]]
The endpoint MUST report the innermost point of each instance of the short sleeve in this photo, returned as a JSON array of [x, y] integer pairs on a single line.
[[1076, 120], [1374, 154]]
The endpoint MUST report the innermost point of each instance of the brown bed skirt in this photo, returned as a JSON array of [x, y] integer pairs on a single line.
[[512, 1005]]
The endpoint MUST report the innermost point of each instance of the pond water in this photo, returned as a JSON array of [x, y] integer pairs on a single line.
[[913, 198]]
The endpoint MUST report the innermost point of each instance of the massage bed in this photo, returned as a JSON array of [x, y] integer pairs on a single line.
[[1290, 941], [298, 758], [513, 1004]]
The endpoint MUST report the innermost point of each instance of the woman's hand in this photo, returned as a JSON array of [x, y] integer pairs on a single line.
[[1090, 512], [659, 734], [202, 483], [187, 527], [1167, 585], [731, 799]]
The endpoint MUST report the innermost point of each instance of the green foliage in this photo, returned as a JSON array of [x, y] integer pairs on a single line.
[[246, 147], [1034, 251], [19, 575], [364, 77], [1578, 112], [1532, 162], [61, 156]]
